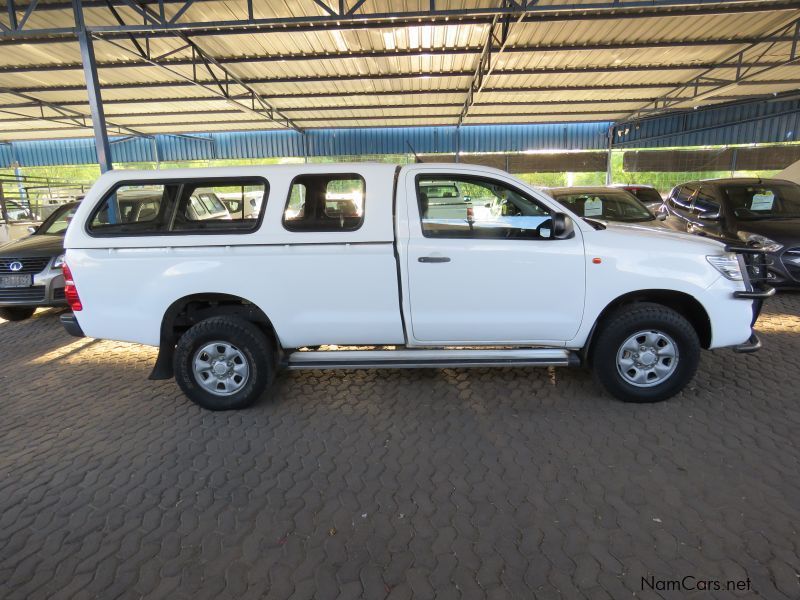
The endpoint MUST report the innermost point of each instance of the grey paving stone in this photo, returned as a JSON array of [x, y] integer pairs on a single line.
[[510, 483]]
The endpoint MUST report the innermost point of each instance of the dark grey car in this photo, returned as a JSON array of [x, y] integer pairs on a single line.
[[30, 268], [762, 213]]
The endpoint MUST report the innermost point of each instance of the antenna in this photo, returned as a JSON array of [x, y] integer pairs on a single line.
[[414, 152]]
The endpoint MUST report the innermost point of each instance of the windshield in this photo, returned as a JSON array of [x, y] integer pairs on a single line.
[[646, 195], [764, 201], [57, 223], [609, 205]]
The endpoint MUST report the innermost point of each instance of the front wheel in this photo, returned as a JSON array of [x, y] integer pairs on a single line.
[[223, 363], [645, 353], [17, 313]]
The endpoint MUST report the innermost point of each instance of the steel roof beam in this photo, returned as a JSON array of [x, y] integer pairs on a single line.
[[378, 119], [745, 69], [337, 108], [614, 9], [17, 117], [216, 86], [184, 82], [422, 52], [63, 113], [496, 42], [432, 10], [340, 107], [454, 91]]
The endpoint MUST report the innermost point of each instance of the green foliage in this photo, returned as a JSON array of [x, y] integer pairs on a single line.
[[663, 181]]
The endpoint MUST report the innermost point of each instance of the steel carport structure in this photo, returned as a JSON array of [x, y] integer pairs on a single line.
[[161, 67]]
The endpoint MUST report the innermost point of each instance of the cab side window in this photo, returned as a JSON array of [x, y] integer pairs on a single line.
[[470, 207], [325, 202], [705, 202], [180, 206], [680, 200]]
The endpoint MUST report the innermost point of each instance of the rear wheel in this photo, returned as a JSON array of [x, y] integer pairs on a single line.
[[645, 353], [17, 313], [223, 363]]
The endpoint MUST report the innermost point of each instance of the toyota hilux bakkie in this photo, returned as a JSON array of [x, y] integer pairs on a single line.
[[308, 284]]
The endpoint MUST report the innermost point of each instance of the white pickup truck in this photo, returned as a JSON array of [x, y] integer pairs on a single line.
[[343, 267]]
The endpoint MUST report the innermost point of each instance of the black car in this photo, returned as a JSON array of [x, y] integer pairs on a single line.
[[30, 268], [762, 213]]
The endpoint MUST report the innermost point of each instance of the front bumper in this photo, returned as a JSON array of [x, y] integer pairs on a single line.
[[47, 290], [70, 323]]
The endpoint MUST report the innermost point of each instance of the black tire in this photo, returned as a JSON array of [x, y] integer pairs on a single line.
[[17, 313], [247, 339], [627, 322]]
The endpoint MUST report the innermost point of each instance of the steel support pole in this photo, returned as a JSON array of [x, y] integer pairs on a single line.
[[93, 88], [3, 212]]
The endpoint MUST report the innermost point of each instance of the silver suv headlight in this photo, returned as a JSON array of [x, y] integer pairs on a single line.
[[727, 265], [764, 242]]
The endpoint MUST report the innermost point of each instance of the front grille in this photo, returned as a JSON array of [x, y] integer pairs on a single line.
[[29, 265], [756, 264], [29, 294]]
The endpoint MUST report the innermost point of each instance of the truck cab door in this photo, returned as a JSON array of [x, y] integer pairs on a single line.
[[494, 274]]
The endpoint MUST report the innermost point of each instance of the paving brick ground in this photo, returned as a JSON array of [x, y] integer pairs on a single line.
[[515, 483]]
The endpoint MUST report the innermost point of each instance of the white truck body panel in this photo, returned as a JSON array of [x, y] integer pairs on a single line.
[[367, 287], [493, 291]]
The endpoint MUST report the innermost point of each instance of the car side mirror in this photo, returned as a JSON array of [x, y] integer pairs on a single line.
[[709, 216], [33, 229], [563, 227]]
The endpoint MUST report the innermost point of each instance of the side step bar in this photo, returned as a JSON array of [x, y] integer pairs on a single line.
[[436, 359]]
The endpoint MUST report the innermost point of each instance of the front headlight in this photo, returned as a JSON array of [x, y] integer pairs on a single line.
[[727, 265], [58, 262], [761, 241]]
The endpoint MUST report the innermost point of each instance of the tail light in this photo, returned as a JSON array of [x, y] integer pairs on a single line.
[[70, 291]]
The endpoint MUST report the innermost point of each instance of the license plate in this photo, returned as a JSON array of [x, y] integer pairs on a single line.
[[16, 281]]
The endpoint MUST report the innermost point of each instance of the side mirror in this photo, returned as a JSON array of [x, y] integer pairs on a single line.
[[33, 229], [563, 227], [709, 216]]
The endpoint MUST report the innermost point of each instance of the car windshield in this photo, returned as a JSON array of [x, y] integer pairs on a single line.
[[750, 202], [611, 205], [57, 223], [646, 195]]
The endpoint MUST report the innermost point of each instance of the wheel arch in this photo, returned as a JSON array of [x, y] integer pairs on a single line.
[[188, 310], [684, 304]]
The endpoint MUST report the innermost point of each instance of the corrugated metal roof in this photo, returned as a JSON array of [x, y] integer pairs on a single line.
[[414, 73]]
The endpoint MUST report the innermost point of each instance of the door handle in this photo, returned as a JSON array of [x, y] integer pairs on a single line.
[[434, 259]]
